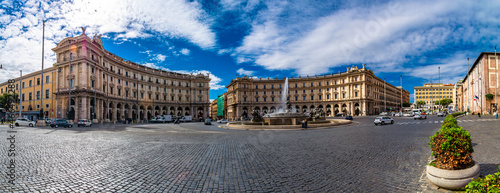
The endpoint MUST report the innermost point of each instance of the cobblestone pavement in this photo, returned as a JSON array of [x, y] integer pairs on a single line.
[[192, 157]]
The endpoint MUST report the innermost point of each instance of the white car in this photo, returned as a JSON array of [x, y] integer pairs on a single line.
[[222, 121], [24, 122], [383, 114], [419, 116], [440, 114], [383, 120], [84, 123]]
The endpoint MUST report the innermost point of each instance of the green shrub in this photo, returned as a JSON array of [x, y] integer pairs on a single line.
[[451, 146], [490, 183], [457, 114]]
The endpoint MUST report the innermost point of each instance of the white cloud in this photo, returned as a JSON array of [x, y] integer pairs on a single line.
[[242, 71], [185, 51], [20, 44], [382, 36], [159, 57]]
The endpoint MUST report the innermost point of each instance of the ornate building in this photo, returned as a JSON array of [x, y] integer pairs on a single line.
[[105, 87], [355, 92]]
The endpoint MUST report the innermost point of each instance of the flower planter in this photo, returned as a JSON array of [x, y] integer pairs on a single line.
[[452, 179]]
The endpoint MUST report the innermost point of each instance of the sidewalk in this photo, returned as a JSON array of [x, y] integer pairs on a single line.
[[485, 134]]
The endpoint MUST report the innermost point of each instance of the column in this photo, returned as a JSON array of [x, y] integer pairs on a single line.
[[84, 114]]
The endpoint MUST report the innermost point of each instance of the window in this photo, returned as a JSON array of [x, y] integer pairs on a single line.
[[149, 96], [22, 97], [47, 93], [312, 97], [93, 83], [37, 95], [23, 85], [256, 86], [327, 83], [200, 99], [296, 98], [319, 97], [265, 99], [256, 99], [336, 96], [356, 94], [304, 98], [311, 84], [319, 83], [119, 92], [46, 106], [327, 96], [30, 83], [38, 81], [142, 95], [272, 99], [71, 83], [47, 79], [343, 95], [244, 92], [244, 99], [135, 94], [30, 97], [142, 86], [264, 88], [272, 86]]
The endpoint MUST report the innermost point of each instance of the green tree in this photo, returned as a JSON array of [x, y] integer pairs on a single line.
[[444, 102], [420, 103], [406, 104], [7, 99], [488, 96]]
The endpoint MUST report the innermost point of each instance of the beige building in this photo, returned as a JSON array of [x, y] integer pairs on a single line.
[[480, 81], [31, 94], [430, 93], [355, 92], [106, 87]]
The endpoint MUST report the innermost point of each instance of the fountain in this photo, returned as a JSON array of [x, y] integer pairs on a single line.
[[287, 118]]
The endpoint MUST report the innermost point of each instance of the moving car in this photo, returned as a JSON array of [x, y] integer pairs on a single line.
[[61, 123], [153, 120], [383, 114], [208, 122], [348, 117], [440, 114], [84, 123], [420, 116], [24, 122], [222, 121], [383, 120], [339, 115]]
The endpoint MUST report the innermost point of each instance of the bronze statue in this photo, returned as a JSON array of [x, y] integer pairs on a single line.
[[256, 116]]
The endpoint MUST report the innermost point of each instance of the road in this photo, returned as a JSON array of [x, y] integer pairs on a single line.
[[192, 157]]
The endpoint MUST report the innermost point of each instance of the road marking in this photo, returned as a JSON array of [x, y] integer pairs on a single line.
[[418, 122], [435, 121]]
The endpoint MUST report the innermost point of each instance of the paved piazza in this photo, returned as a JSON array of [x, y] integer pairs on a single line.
[[192, 157]]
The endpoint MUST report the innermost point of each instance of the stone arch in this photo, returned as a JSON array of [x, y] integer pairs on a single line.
[[344, 108], [336, 109], [264, 110], [272, 110], [257, 109], [179, 111], [357, 110], [172, 110], [245, 112], [328, 110], [200, 112], [304, 109]]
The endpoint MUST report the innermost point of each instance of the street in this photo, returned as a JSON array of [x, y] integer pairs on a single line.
[[192, 157]]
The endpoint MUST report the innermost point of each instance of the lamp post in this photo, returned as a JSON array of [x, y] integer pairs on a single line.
[[468, 87], [385, 99], [401, 80], [41, 89], [95, 92], [70, 80], [496, 82], [107, 93], [20, 90], [439, 87]]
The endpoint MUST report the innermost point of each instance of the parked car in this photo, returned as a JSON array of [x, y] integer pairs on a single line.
[[24, 122], [128, 121], [60, 123], [339, 115], [48, 121], [420, 116], [84, 123], [440, 114], [153, 120], [383, 114], [348, 117], [383, 120], [222, 121], [208, 122], [398, 114]]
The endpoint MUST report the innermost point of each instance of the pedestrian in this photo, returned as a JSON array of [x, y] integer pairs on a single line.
[[479, 114], [305, 123]]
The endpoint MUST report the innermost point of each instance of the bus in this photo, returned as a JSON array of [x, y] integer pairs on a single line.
[[416, 111]]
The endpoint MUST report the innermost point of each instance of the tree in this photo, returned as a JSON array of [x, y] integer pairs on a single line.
[[7, 99], [406, 104], [444, 102], [419, 103], [488, 96]]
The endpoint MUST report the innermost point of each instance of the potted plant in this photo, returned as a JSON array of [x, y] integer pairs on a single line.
[[453, 167]]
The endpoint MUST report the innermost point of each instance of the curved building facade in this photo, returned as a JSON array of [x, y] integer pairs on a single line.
[[96, 84], [354, 92]]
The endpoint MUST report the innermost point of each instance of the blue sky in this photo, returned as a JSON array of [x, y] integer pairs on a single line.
[[262, 38]]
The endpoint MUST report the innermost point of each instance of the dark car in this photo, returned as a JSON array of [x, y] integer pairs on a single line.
[[208, 122], [128, 121], [348, 117], [60, 123], [339, 115]]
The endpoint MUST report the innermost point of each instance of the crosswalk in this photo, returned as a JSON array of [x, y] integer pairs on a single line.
[[417, 122]]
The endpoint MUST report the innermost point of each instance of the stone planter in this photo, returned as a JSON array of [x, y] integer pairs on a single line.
[[452, 179]]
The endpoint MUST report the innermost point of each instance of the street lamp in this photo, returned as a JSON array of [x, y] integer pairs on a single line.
[[385, 99], [439, 87]]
